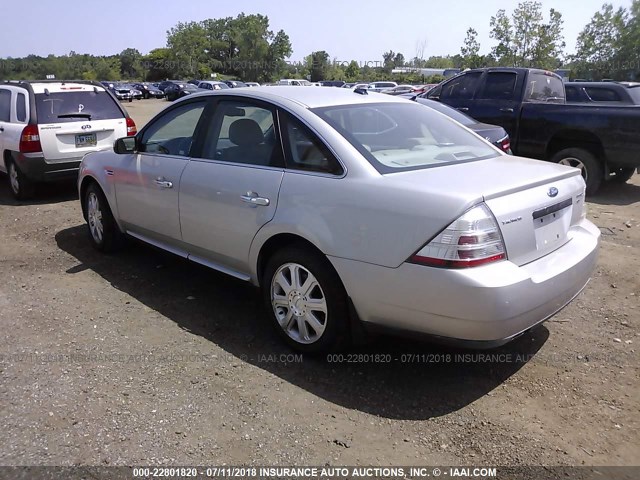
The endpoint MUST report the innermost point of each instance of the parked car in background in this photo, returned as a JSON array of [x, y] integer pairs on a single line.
[[173, 92], [212, 85], [332, 83], [297, 82], [121, 92], [399, 90], [494, 134], [168, 83], [617, 93], [47, 126], [252, 84], [148, 90], [602, 140], [234, 83], [194, 82], [298, 191], [136, 93], [379, 86]]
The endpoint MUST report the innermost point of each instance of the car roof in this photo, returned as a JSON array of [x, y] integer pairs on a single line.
[[603, 84], [56, 87], [310, 97]]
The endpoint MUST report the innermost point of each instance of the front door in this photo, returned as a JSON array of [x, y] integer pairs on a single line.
[[148, 182]]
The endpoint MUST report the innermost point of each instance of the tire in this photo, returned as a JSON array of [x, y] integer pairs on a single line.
[[104, 233], [313, 314], [622, 175], [592, 170], [21, 187]]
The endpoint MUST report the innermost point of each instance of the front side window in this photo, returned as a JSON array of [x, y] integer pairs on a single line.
[[5, 105], [243, 133], [499, 86], [402, 137], [172, 134], [462, 87], [305, 151]]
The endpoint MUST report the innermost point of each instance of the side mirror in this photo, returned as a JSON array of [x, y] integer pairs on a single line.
[[125, 145]]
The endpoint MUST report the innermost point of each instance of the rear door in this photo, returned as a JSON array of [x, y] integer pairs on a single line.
[[76, 120], [232, 190], [496, 101]]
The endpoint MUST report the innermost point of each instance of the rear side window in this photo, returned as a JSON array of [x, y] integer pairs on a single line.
[[603, 94], [462, 87], [5, 105], [499, 86], [305, 151], [544, 87], [21, 107], [61, 107], [572, 94]]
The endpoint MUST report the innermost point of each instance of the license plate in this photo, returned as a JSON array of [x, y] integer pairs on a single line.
[[551, 224], [86, 140]]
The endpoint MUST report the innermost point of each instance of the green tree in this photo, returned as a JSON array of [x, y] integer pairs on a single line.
[[470, 50], [525, 40], [318, 64], [130, 63], [352, 71]]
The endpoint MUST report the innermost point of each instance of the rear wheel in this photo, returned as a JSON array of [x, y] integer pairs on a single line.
[[104, 233], [622, 175], [306, 301], [590, 167], [21, 187]]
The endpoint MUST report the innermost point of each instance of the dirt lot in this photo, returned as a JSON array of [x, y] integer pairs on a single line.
[[142, 358]]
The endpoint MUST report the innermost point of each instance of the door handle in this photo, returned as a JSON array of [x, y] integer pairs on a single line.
[[463, 109], [163, 183], [1, 129], [507, 110], [253, 199]]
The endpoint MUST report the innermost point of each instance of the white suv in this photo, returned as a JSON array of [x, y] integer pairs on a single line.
[[47, 127]]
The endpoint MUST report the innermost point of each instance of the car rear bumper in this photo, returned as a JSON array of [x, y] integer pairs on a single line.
[[36, 168], [488, 305]]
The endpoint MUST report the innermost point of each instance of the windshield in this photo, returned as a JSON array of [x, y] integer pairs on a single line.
[[448, 111], [60, 107], [404, 136]]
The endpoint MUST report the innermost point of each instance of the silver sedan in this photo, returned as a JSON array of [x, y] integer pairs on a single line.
[[348, 208]]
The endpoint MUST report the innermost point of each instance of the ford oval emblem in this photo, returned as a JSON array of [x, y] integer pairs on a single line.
[[553, 192], [86, 127]]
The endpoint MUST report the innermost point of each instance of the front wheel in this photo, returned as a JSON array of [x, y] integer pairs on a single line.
[[590, 167], [21, 187], [104, 233], [306, 301]]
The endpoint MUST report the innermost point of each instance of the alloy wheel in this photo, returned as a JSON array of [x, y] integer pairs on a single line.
[[94, 215], [576, 163], [299, 303], [13, 178]]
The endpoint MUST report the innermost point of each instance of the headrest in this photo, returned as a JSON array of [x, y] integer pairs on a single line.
[[245, 133]]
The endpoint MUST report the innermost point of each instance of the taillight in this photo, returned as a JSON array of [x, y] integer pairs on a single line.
[[473, 239], [131, 127], [30, 140], [505, 144]]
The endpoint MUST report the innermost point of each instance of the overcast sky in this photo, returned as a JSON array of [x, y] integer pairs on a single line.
[[358, 29]]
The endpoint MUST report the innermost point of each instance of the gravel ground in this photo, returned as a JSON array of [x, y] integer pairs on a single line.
[[142, 358]]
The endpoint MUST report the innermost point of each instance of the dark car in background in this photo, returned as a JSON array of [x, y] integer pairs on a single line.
[[168, 83], [173, 92], [121, 92], [148, 90], [616, 93], [333, 83], [235, 83], [492, 133]]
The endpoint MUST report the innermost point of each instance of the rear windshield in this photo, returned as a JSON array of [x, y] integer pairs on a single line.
[[396, 137], [62, 107], [544, 87]]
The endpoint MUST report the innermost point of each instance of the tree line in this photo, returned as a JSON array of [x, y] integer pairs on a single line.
[[245, 47]]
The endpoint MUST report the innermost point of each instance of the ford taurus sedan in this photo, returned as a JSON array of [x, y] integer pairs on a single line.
[[349, 209]]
